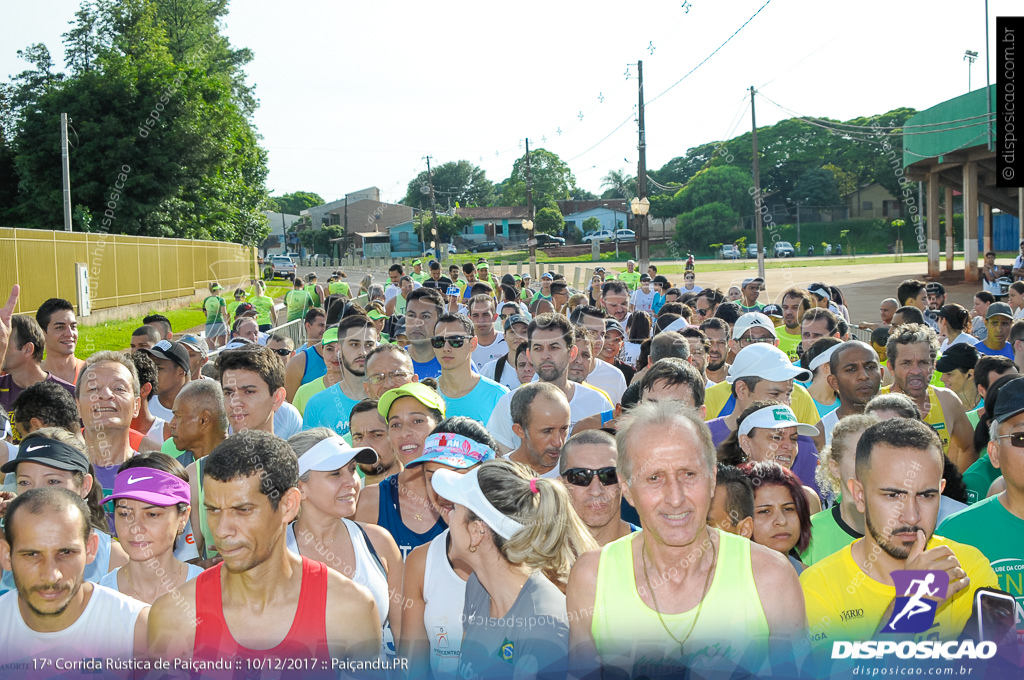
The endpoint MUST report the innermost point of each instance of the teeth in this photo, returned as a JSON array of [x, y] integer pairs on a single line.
[[679, 516]]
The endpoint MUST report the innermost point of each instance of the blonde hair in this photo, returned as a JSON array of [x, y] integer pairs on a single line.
[[838, 449], [553, 535]]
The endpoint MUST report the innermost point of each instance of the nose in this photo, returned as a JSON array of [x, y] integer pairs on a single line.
[[50, 571], [911, 513]]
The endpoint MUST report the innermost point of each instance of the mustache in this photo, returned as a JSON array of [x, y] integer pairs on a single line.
[[907, 530]]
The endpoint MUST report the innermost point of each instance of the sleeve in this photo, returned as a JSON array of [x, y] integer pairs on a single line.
[[803, 406], [500, 424]]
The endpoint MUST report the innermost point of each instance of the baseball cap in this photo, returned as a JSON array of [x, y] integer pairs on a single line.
[[757, 279], [245, 308], [464, 489], [598, 269], [482, 264], [195, 344], [434, 264], [999, 309], [526, 275], [373, 314], [679, 325], [935, 288], [414, 263], [330, 335], [960, 355], [660, 279], [417, 391], [645, 278], [216, 286], [1009, 402], [614, 325], [773, 310], [48, 452], [332, 454], [238, 343], [776, 417], [767, 362], [546, 275], [821, 291], [752, 320], [517, 318], [168, 350], [149, 485], [453, 450]]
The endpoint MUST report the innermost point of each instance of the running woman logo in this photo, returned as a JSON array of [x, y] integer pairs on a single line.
[[918, 594]]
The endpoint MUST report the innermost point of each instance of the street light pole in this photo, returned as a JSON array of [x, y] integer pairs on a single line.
[[529, 217], [641, 176]]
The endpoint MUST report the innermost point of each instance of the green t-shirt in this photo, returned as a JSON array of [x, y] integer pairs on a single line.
[[232, 306], [829, 534], [264, 305], [303, 394], [298, 302], [337, 288], [979, 477], [311, 289], [788, 343], [999, 535], [419, 278], [213, 306], [758, 306], [631, 279]]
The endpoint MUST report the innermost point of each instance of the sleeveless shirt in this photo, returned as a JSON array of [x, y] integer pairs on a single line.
[[315, 366], [935, 417], [443, 596], [731, 631], [389, 516], [307, 637]]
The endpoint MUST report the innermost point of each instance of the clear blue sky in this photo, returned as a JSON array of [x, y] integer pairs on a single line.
[[355, 94]]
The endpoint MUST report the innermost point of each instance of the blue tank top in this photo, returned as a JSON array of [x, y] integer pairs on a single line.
[[389, 516], [315, 366]]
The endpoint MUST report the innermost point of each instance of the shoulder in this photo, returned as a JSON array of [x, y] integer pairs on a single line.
[[966, 520], [382, 540], [491, 385], [971, 559], [584, 570], [947, 397], [167, 610]]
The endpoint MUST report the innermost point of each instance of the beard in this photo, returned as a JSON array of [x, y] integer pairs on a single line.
[[354, 370], [549, 374], [711, 366], [25, 592], [890, 547]]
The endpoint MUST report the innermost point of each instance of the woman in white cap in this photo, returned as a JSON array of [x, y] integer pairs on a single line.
[[520, 536], [366, 553], [435, 583], [152, 500], [769, 430], [816, 360]]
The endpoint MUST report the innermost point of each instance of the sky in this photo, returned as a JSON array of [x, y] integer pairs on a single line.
[[356, 94]]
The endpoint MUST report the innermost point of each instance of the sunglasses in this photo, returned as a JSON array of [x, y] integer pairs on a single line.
[[703, 312], [281, 352], [1016, 439], [582, 476], [456, 341]]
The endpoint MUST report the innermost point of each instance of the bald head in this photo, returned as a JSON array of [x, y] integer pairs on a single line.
[[205, 395], [887, 309], [836, 360]]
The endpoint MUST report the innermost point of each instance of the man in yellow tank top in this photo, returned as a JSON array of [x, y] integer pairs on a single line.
[[911, 357], [678, 594]]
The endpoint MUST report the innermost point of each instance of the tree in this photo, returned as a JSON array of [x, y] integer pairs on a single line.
[[455, 182], [817, 188], [591, 224], [699, 227], [724, 184], [548, 221], [551, 177], [448, 227], [296, 202], [619, 185]]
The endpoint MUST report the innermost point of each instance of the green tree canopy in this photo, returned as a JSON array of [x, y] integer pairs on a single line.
[[705, 224], [817, 188], [618, 185], [548, 221], [455, 182], [295, 202], [551, 178], [725, 184]]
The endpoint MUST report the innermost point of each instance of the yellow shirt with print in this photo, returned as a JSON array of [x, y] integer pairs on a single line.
[[803, 406], [844, 603], [788, 343]]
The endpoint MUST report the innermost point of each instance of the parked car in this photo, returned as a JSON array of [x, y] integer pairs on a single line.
[[485, 247], [751, 250], [431, 252], [549, 241], [784, 249], [280, 267], [602, 235], [625, 235], [730, 252]]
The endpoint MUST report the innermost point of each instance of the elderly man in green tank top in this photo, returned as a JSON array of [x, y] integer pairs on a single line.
[[678, 595]]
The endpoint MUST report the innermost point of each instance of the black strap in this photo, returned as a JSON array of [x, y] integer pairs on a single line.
[[500, 368], [369, 544]]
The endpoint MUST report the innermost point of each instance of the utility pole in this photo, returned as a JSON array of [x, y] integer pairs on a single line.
[[532, 236], [758, 201], [641, 177], [65, 166], [438, 250], [798, 223]]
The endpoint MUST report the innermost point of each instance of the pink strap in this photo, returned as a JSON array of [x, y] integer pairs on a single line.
[[533, 485]]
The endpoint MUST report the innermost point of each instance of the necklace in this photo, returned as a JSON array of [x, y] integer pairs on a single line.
[[657, 610]]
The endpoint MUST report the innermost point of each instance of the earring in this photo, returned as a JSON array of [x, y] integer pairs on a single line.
[[472, 548]]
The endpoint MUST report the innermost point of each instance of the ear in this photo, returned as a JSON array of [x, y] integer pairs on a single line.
[[518, 429], [742, 391], [833, 384], [290, 503], [744, 442], [857, 491], [136, 407], [626, 493], [5, 555], [92, 546], [474, 343], [942, 486], [993, 454], [573, 353], [87, 483], [745, 527], [34, 424], [278, 396]]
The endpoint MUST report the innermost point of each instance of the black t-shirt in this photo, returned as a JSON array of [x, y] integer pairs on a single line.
[[440, 285]]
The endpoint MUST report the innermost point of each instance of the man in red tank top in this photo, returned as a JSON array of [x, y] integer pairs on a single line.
[[262, 602]]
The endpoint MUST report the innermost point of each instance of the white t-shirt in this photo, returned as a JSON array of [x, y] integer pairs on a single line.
[[643, 302], [509, 377], [156, 432], [608, 378], [485, 354], [586, 401], [158, 409], [550, 474], [962, 339], [828, 423]]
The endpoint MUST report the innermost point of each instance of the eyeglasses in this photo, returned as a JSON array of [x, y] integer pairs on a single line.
[[582, 476], [281, 352], [1016, 439], [750, 341], [378, 378], [456, 341]]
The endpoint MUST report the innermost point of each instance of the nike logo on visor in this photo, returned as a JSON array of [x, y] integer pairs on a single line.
[[132, 480]]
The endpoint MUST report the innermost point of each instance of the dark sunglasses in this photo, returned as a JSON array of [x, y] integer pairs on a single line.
[[582, 476], [281, 351], [456, 341], [703, 312], [1016, 439]]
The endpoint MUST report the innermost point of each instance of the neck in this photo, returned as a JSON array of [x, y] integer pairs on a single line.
[[421, 353], [718, 375], [1013, 500], [458, 382], [502, 580], [143, 576], [166, 399], [614, 530], [969, 395], [145, 419], [793, 330], [563, 383], [52, 624], [874, 561], [850, 408], [991, 343], [208, 444], [920, 401], [848, 511], [28, 374], [332, 376], [688, 561], [822, 393], [58, 360], [265, 583], [314, 527], [522, 455], [112, 449], [352, 385]]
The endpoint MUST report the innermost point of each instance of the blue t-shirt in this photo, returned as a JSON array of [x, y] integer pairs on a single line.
[[479, 403], [430, 369], [329, 408], [984, 349]]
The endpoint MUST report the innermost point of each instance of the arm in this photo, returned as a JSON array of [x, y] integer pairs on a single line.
[[413, 644], [580, 597], [171, 632], [782, 599], [353, 625], [368, 505], [293, 373], [389, 553], [961, 435], [5, 320]]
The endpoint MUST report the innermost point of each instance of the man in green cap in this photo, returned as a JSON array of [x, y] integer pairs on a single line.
[[418, 275], [346, 346]]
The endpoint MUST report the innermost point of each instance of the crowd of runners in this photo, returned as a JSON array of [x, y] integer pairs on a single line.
[[479, 476]]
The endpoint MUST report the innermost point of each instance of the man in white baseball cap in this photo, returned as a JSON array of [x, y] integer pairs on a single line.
[[752, 328]]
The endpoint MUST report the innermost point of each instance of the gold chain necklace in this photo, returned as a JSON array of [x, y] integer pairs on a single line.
[[657, 610]]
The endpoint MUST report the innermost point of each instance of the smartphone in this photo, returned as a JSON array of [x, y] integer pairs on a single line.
[[993, 619], [453, 290]]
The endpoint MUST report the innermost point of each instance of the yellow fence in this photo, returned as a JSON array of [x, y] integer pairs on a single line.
[[123, 270]]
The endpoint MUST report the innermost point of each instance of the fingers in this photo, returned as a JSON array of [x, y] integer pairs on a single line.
[[8, 309]]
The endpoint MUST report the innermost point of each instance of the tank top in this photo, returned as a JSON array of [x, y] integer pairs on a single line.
[[935, 417], [156, 432], [315, 366], [629, 635], [104, 630], [204, 527], [94, 571], [389, 516], [110, 579], [306, 638], [311, 289], [337, 288], [443, 596]]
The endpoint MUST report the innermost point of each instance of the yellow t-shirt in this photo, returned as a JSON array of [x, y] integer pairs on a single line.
[[306, 392], [844, 603], [788, 343], [934, 417], [720, 394]]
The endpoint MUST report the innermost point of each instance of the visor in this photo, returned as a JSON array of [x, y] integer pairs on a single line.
[[149, 485], [465, 490], [775, 418], [332, 454]]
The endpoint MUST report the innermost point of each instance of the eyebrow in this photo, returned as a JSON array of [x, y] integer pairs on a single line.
[[895, 490]]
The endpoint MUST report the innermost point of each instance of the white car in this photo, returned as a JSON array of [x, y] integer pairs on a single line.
[[784, 249], [431, 252], [603, 235], [625, 235]]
